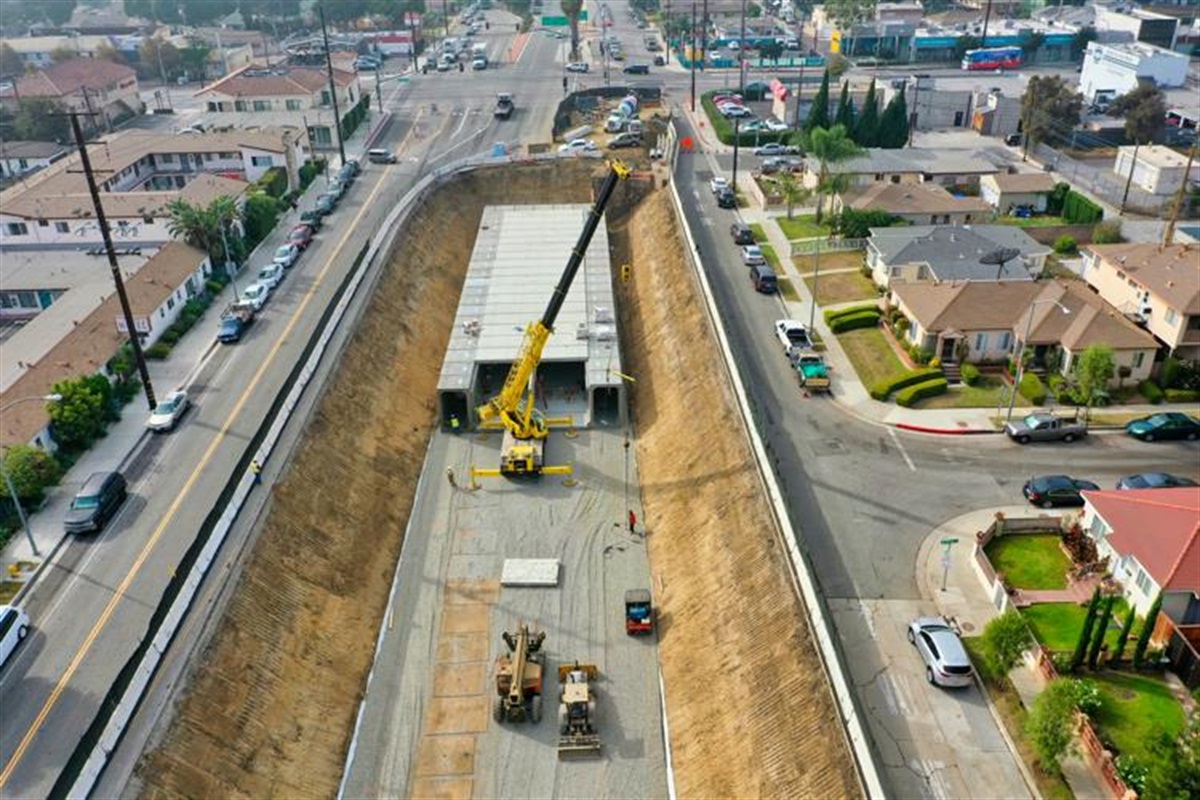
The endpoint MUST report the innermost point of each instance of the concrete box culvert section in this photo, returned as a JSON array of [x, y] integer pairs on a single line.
[[272, 706]]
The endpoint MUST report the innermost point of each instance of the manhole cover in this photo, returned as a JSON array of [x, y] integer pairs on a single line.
[[967, 627]]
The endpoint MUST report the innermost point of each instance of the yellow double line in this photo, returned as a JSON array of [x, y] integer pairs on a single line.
[[118, 595]]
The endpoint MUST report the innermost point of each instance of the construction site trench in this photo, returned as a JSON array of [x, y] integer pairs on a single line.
[[270, 704]]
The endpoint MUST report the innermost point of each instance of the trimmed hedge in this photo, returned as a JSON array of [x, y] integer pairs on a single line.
[[723, 128], [1032, 388], [833, 314], [1149, 390], [969, 374], [885, 387], [910, 395], [1182, 395], [1079, 210], [851, 322]]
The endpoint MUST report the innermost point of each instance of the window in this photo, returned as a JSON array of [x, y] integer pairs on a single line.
[[261, 161], [1139, 358], [42, 223], [148, 220], [239, 105], [213, 106], [170, 302], [293, 105], [1005, 341], [27, 299], [1098, 529], [16, 228], [229, 156], [1172, 316], [1193, 323], [167, 158], [981, 341], [262, 105], [1120, 275], [325, 97], [62, 227], [1143, 581]]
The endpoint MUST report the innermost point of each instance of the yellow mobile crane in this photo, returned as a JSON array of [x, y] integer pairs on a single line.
[[525, 427]]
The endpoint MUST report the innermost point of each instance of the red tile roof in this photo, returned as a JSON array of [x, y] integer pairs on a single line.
[[69, 77], [1158, 527]]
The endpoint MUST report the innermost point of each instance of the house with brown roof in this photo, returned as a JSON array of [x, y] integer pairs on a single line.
[[1157, 287], [87, 331], [86, 85], [987, 321], [915, 203], [18, 158], [1006, 191]]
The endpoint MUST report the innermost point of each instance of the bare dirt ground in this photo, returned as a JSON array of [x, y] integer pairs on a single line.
[[270, 708]]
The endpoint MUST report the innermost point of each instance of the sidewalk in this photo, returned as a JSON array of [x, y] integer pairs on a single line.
[[965, 600]]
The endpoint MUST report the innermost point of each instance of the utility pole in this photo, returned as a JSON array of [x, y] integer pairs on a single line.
[[742, 61], [704, 35], [1177, 204], [692, 55], [446, 19], [987, 15], [1137, 143], [667, 33], [337, 119], [803, 63], [378, 90], [737, 141], [102, 221], [912, 117]]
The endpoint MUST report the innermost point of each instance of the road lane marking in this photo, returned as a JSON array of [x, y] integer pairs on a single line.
[[120, 591], [892, 432]]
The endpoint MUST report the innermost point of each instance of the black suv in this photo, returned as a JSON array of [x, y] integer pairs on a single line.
[[741, 233], [96, 503], [637, 69], [726, 198]]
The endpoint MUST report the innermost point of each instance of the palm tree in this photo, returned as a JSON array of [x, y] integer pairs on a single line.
[[202, 226], [830, 146], [793, 191], [572, 9]]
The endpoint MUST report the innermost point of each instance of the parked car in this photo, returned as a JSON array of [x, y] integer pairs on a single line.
[[96, 502], [346, 175], [1049, 491], [726, 198], [741, 233], [271, 275], [301, 236], [792, 335], [752, 254], [1045, 427], [256, 295], [727, 97], [775, 126], [578, 146], [1153, 480], [771, 149], [757, 90], [577, 66], [335, 189], [717, 184], [730, 111], [764, 279], [381, 155], [326, 204], [625, 140], [946, 660], [1167, 425], [353, 164], [14, 627], [312, 218], [286, 255], [636, 69], [166, 414]]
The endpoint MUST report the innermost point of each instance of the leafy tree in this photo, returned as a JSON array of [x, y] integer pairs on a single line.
[[866, 131], [32, 470], [845, 109], [854, 224], [261, 213], [158, 57], [1123, 637], [1031, 43], [830, 146], [818, 116], [106, 52], [1143, 641], [1049, 724], [201, 226], [62, 54], [772, 50], [1094, 369], [893, 125], [793, 191], [10, 61], [964, 43], [1085, 635], [1143, 109], [80, 417], [1175, 774], [847, 14], [1101, 630], [1007, 637], [39, 119], [572, 9], [1049, 105], [1079, 41]]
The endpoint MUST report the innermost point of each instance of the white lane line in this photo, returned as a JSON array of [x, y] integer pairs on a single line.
[[900, 447]]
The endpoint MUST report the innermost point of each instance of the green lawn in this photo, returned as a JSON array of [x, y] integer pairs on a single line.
[[1057, 626], [760, 233], [801, 227], [1030, 561], [842, 287], [772, 259], [789, 292], [1134, 711], [1032, 222], [986, 393], [869, 352]]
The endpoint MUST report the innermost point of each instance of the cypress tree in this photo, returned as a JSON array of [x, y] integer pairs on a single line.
[[1123, 638], [1085, 635], [893, 125], [818, 117], [845, 110], [866, 131], [1101, 629], [1139, 651]]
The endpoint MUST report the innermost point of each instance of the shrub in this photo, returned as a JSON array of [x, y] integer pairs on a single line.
[[909, 396], [1182, 395], [970, 374], [922, 357], [935, 363], [1032, 389], [1149, 390], [863, 319], [1066, 245], [902, 325], [1107, 232], [213, 286], [832, 314], [1078, 210], [158, 351], [170, 336], [31, 471], [274, 182], [885, 387]]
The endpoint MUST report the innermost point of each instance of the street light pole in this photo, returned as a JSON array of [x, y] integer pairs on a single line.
[[1012, 399], [12, 490], [742, 54]]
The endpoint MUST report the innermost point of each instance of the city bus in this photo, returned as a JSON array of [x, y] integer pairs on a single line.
[[992, 58]]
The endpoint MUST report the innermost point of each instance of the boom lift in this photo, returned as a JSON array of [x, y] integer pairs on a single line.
[[525, 427], [519, 677]]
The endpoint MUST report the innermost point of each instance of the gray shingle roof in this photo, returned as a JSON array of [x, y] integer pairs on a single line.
[[953, 251]]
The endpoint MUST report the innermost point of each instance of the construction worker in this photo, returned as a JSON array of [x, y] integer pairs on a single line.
[[450, 478], [256, 471], [454, 423], [632, 521]]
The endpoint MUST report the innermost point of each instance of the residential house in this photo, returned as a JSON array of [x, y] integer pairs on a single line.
[[948, 168], [1157, 169], [1157, 287], [300, 91], [82, 331], [952, 253], [107, 92], [1152, 540], [18, 158], [37, 51], [139, 174], [988, 321], [915, 203], [1006, 191]]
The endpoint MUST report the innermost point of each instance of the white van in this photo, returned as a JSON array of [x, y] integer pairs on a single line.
[[14, 626], [381, 155]]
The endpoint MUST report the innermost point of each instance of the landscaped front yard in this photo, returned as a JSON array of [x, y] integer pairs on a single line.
[[1030, 561], [801, 227], [871, 355], [839, 259], [841, 287], [988, 392], [1135, 711], [1058, 625]]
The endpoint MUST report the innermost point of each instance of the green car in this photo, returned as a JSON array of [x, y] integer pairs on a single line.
[[1167, 425]]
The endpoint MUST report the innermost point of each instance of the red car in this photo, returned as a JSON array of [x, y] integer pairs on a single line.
[[301, 236]]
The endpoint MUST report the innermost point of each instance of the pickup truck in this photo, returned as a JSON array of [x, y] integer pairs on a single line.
[[1044, 427], [813, 372], [504, 106], [234, 322]]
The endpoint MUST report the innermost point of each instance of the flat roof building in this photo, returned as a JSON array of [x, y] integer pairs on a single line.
[[519, 256]]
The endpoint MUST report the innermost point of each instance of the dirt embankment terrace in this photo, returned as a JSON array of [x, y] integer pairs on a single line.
[[270, 707]]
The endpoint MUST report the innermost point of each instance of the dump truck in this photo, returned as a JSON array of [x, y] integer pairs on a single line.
[[519, 677], [639, 612], [1045, 427], [504, 106], [813, 372], [577, 710]]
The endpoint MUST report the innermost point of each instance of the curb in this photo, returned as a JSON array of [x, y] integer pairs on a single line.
[[908, 426]]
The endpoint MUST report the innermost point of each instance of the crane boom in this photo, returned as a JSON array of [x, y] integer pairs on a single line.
[[514, 404]]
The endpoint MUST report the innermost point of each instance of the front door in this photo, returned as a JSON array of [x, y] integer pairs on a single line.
[[948, 350]]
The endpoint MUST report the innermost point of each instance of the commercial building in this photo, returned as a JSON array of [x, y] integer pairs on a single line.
[[1157, 169], [1111, 70], [1138, 24], [104, 91], [519, 255]]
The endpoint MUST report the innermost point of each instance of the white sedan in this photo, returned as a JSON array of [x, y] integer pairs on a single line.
[[730, 111], [792, 334], [256, 295], [577, 66], [578, 146], [271, 275], [286, 255], [166, 415], [752, 254], [717, 184]]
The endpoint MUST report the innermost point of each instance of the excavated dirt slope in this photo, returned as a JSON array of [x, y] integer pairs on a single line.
[[271, 706]]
